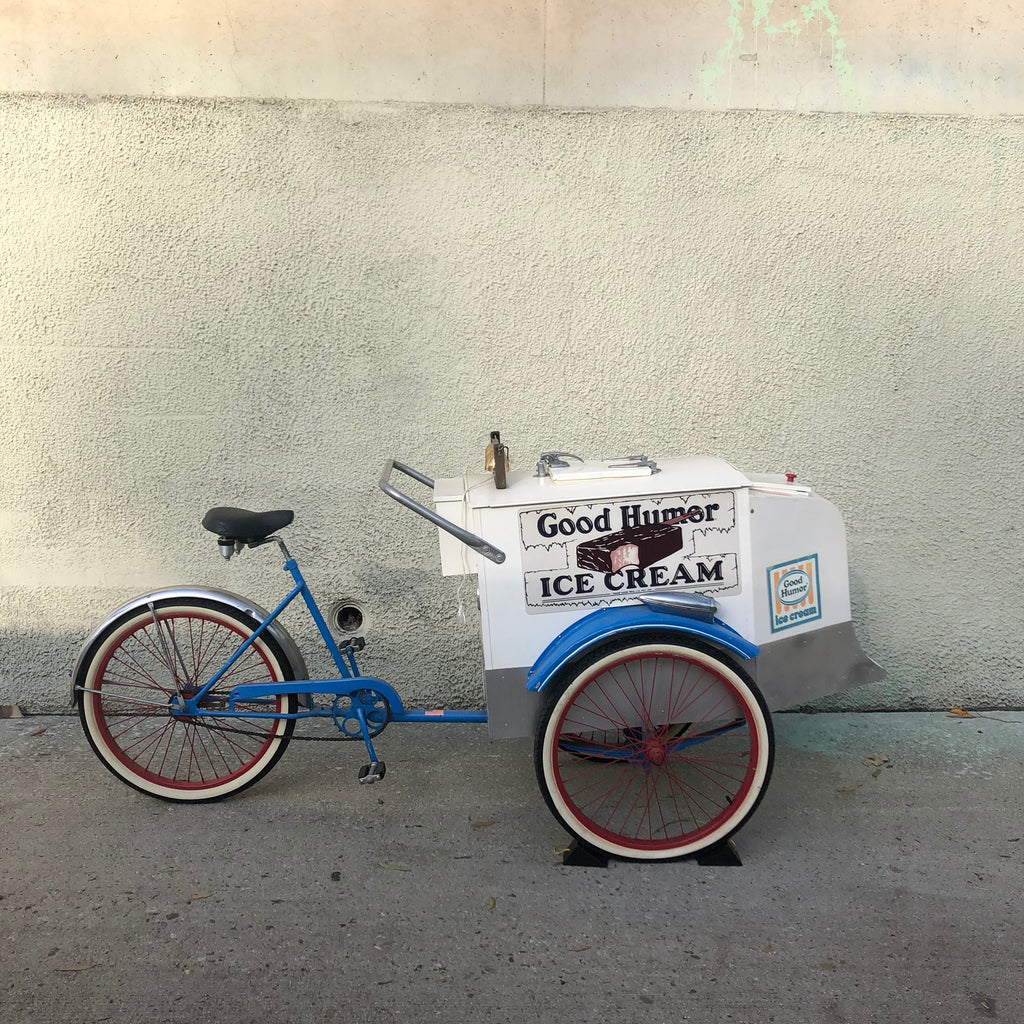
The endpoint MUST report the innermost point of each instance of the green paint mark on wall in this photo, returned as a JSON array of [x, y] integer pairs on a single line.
[[815, 12], [711, 73]]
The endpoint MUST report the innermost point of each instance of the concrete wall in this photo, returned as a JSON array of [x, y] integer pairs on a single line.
[[920, 56], [254, 301]]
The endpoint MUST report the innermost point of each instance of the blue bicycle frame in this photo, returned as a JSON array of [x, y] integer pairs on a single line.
[[362, 691]]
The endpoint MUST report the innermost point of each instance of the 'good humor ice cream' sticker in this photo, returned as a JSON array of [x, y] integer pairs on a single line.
[[591, 555], [793, 593]]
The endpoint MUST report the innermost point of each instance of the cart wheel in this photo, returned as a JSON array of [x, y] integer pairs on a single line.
[[652, 749]]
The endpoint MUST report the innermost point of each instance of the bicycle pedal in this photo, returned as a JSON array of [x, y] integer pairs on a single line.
[[372, 772]]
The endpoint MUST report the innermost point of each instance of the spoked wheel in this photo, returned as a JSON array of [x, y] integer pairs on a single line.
[[652, 749], [134, 672]]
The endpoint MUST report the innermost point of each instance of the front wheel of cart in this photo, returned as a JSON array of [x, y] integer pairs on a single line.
[[650, 748]]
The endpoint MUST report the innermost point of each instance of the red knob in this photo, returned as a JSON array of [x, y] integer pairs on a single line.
[[790, 477]]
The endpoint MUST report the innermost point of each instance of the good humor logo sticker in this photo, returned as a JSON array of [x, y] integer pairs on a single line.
[[592, 555], [794, 593]]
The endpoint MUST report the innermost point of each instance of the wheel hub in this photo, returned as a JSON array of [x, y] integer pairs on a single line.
[[654, 751]]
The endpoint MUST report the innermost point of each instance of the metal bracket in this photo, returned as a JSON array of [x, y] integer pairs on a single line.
[[550, 460], [636, 460]]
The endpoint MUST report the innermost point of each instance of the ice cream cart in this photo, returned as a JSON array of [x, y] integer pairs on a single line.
[[641, 619]]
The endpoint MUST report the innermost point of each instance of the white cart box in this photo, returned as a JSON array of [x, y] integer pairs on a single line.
[[582, 536]]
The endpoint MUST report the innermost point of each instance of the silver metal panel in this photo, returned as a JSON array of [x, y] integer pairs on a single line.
[[512, 710], [802, 668]]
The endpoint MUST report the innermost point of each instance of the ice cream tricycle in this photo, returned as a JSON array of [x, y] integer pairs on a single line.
[[640, 618]]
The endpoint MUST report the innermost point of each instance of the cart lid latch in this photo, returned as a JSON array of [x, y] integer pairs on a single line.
[[553, 466], [635, 460], [554, 460]]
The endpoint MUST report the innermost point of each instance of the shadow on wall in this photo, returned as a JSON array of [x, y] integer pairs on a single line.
[[35, 671]]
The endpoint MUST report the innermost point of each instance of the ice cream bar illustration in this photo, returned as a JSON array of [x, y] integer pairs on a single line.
[[640, 546]]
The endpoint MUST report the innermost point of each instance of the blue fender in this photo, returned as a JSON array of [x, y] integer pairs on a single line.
[[607, 623]]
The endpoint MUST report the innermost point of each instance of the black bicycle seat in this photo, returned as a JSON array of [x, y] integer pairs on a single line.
[[238, 524]]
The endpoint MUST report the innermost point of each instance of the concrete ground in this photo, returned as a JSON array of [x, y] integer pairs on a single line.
[[876, 892]]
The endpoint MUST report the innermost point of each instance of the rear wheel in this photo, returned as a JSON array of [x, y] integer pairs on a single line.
[[133, 673], [652, 749]]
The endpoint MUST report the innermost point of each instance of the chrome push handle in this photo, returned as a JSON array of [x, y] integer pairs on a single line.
[[471, 540]]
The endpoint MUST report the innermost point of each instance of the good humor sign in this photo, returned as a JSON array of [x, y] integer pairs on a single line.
[[598, 554]]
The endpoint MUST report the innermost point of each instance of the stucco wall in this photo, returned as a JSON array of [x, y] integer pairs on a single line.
[[242, 302]]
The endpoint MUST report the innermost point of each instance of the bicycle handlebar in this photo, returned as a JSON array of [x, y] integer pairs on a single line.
[[471, 540]]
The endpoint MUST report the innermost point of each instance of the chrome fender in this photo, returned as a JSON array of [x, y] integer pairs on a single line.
[[241, 604]]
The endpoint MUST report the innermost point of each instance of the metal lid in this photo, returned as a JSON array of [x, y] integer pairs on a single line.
[[593, 481]]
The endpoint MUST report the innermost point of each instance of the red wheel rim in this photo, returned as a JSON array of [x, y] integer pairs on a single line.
[[174, 752]]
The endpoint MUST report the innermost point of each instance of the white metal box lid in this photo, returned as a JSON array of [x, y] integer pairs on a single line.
[[591, 480]]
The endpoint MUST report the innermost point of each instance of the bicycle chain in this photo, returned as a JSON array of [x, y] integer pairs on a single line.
[[263, 735]]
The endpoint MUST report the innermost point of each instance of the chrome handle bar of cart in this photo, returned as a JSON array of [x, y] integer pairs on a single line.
[[471, 540]]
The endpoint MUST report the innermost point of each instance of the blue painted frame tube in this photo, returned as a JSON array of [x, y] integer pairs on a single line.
[[402, 717], [349, 679], [261, 691], [477, 717], [249, 641], [321, 623]]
